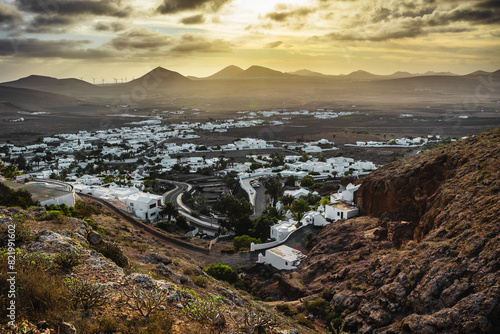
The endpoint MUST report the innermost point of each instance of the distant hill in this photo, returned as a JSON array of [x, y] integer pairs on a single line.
[[159, 76], [50, 84], [227, 73], [33, 99], [307, 73], [262, 72]]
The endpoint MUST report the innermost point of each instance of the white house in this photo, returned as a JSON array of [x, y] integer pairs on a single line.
[[314, 218], [340, 210], [345, 195], [282, 257], [297, 193], [144, 205], [281, 230]]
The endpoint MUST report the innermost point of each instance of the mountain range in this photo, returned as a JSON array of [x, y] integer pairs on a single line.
[[234, 88]]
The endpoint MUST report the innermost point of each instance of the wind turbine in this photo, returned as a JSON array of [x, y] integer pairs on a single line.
[[93, 79], [81, 78], [116, 80], [102, 81]]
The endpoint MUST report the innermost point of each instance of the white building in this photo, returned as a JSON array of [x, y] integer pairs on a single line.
[[345, 195], [280, 231], [314, 218], [144, 205], [282, 257], [340, 210]]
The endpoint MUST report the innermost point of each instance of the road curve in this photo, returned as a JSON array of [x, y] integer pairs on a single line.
[[179, 244]]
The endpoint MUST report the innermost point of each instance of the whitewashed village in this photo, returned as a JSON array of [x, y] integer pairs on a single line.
[[123, 166]]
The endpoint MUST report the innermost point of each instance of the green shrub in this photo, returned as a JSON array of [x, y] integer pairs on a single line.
[[94, 225], [222, 272], [201, 281], [113, 252], [52, 215], [66, 260], [86, 294], [301, 320], [318, 307], [206, 311], [285, 309], [243, 242]]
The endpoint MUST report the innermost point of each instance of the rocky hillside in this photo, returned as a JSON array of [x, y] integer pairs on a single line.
[[425, 258], [99, 274]]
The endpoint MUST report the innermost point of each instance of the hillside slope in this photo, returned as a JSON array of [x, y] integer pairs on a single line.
[[429, 261]]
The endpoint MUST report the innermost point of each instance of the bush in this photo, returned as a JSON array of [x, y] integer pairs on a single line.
[[222, 272], [182, 223], [113, 252], [201, 281], [86, 294], [285, 309], [54, 216], [301, 320], [318, 307], [206, 311], [94, 225], [67, 260], [243, 242]]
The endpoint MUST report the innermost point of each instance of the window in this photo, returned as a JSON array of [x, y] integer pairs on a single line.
[[152, 206], [131, 204], [153, 214], [286, 263]]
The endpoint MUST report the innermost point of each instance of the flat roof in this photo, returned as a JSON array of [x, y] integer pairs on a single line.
[[343, 206], [287, 253], [39, 191]]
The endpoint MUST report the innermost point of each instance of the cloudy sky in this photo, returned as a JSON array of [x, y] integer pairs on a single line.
[[127, 38]]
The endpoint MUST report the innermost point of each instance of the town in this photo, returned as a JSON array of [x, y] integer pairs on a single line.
[[287, 185]]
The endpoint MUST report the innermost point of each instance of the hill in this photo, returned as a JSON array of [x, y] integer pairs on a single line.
[[261, 72], [159, 77], [33, 99], [226, 73], [426, 255], [68, 86]]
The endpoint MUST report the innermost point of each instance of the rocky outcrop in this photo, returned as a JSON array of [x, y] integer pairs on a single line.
[[430, 263]]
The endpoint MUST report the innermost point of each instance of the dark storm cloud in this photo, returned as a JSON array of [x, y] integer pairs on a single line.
[[110, 26], [9, 15], [51, 24], [140, 39], [36, 48], [281, 16], [75, 7], [175, 6], [273, 45], [195, 19], [390, 20], [191, 43]]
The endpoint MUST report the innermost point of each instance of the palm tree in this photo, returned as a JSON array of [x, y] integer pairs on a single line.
[[299, 208], [287, 200], [273, 189], [170, 210]]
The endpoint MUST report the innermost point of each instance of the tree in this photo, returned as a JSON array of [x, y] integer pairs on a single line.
[[290, 181], [237, 211], [273, 189], [307, 181], [299, 208], [262, 225], [243, 242], [170, 210], [325, 201], [287, 200]]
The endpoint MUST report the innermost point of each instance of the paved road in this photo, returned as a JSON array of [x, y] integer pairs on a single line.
[[206, 224]]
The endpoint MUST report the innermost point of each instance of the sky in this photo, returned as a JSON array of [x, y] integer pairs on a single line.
[[99, 40]]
